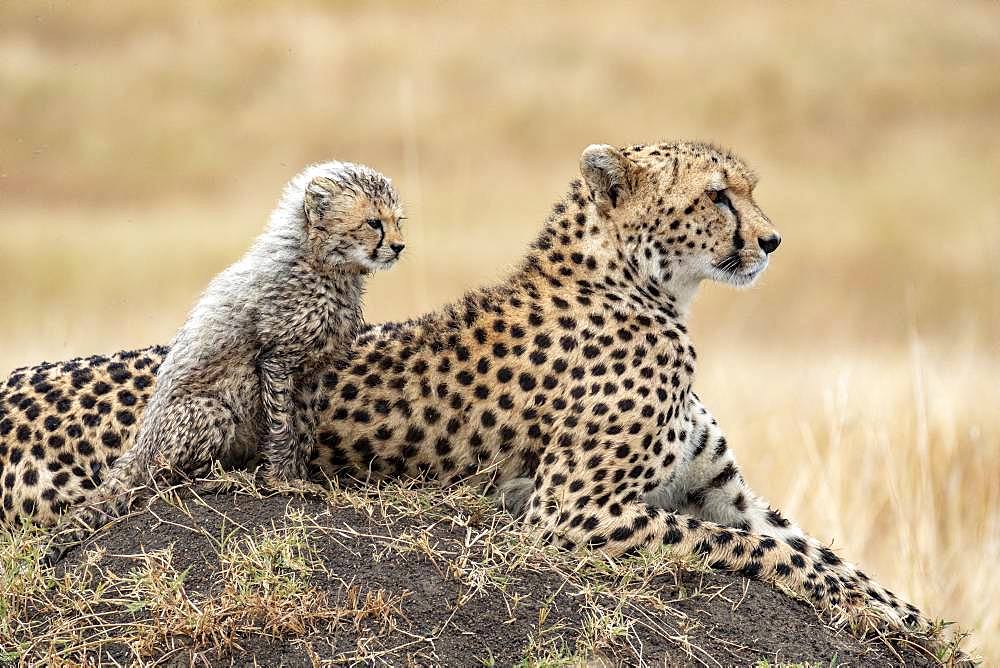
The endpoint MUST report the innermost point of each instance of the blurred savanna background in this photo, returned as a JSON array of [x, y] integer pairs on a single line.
[[143, 144]]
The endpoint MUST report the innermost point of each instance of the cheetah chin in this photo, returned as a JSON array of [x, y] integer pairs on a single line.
[[740, 277]]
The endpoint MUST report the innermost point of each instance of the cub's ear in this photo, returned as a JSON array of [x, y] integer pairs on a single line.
[[318, 198], [608, 174]]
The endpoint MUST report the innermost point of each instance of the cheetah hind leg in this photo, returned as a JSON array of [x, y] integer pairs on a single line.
[[185, 437]]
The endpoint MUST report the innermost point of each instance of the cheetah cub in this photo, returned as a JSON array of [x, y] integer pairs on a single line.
[[234, 383]]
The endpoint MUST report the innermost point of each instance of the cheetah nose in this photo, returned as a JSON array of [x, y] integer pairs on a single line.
[[769, 244], [398, 248]]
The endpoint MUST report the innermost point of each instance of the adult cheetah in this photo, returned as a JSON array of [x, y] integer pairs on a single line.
[[575, 374]]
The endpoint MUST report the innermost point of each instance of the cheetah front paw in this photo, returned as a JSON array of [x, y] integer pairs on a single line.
[[870, 606]]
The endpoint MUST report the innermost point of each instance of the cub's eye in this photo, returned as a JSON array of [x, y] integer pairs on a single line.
[[374, 223], [713, 195]]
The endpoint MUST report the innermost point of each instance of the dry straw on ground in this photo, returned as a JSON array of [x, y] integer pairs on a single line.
[[391, 575]]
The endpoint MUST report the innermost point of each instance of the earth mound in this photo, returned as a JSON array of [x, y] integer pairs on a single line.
[[390, 575]]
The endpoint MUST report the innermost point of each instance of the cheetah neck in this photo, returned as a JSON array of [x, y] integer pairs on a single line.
[[577, 254]]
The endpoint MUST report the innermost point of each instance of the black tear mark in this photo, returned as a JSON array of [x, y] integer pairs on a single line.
[[381, 238], [613, 194], [723, 198]]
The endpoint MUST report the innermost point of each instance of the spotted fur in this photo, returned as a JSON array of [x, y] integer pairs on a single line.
[[567, 388]]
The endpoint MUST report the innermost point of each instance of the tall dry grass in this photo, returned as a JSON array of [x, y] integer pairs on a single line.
[[142, 145]]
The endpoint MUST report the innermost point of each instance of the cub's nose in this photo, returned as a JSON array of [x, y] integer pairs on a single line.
[[398, 248], [769, 244]]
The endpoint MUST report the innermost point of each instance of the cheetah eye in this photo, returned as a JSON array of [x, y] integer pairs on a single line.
[[374, 223], [720, 199]]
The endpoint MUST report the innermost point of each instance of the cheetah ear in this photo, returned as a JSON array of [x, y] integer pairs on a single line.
[[318, 198], [607, 173]]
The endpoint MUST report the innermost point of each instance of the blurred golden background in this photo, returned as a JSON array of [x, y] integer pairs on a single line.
[[143, 144]]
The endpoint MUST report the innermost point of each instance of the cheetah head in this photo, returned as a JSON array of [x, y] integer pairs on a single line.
[[353, 216], [681, 212]]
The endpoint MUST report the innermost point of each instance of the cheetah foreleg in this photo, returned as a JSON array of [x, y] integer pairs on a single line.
[[641, 526], [286, 451], [709, 486]]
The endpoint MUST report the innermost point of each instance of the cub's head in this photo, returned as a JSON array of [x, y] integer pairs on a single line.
[[682, 212], [353, 216]]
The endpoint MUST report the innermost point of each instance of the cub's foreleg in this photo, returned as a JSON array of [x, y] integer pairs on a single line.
[[286, 459]]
